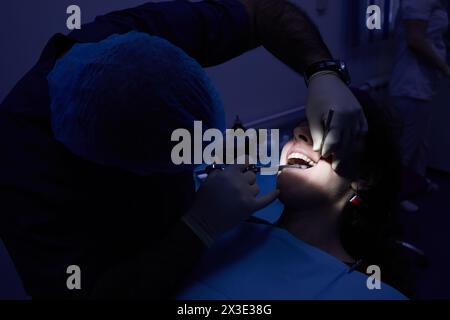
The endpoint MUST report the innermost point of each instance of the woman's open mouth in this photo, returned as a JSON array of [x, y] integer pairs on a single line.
[[300, 159]]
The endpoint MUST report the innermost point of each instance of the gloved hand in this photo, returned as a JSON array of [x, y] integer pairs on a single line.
[[226, 198], [326, 90]]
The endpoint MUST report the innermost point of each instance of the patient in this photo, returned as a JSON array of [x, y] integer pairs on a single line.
[[332, 228]]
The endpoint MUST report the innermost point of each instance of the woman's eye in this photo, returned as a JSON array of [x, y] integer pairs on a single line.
[[302, 137]]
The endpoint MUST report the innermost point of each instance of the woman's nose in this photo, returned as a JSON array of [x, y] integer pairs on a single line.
[[302, 137]]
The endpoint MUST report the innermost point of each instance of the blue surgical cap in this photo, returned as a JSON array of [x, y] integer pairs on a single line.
[[117, 102]]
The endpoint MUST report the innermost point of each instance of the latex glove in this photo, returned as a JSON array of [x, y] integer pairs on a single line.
[[326, 90], [226, 198]]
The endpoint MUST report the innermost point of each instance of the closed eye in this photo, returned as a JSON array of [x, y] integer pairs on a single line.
[[302, 137]]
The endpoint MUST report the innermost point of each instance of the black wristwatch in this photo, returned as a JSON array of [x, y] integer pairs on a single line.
[[328, 65]]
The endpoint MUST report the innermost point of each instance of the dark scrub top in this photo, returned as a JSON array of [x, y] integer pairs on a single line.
[[58, 210]]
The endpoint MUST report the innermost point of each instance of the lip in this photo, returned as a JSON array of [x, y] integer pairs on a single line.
[[311, 154]]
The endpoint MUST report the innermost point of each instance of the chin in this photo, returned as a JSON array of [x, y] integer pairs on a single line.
[[306, 187]]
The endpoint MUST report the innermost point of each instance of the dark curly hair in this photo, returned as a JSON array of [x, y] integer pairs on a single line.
[[369, 231]]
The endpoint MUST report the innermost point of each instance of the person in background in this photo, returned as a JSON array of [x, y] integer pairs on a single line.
[[420, 63]]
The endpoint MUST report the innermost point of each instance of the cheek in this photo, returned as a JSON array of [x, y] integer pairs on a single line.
[[321, 176]]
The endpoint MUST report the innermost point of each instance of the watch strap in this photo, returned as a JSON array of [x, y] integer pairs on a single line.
[[336, 66]]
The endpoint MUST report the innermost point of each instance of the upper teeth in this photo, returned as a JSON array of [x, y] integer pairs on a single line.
[[296, 155]]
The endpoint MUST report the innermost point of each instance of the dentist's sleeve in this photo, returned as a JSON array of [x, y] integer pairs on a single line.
[[209, 31]]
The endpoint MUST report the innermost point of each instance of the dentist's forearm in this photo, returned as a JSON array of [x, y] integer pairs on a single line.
[[287, 32]]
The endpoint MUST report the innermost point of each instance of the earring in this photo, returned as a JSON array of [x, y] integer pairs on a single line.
[[355, 200]]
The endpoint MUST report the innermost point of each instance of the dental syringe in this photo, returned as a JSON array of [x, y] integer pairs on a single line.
[[203, 173]]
